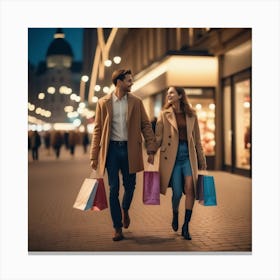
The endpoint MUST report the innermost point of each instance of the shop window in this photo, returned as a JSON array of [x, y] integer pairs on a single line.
[[202, 100], [242, 124], [227, 126]]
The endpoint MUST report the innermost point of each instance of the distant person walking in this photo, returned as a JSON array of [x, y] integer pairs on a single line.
[[73, 141], [85, 141], [181, 153], [47, 141], [120, 123], [57, 142], [35, 144]]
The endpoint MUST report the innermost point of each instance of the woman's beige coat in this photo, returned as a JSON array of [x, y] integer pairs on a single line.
[[138, 124], [167, 138]]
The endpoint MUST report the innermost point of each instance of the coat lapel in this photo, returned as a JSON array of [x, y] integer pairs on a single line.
[[170, 116], [109, 106], [190, 123], [130, 105]]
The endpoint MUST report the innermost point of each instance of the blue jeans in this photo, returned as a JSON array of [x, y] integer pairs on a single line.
[[181, 169], [117, 160]]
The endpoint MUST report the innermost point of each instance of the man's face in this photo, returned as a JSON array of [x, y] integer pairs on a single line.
[[127, 83]]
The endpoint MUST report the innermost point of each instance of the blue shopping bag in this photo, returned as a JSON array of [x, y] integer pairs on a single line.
[[205, 190]]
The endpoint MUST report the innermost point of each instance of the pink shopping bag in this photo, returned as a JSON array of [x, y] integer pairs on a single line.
[[151, 188]]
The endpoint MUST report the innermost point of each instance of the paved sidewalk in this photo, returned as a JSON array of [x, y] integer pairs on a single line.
[[55, 226]]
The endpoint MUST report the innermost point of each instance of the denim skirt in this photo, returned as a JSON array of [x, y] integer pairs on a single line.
[[182, 166]]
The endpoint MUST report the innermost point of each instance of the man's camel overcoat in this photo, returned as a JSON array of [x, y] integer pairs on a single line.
[[167, 138], [138, 125]]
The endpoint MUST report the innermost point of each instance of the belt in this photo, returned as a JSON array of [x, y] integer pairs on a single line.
[[118, 143]]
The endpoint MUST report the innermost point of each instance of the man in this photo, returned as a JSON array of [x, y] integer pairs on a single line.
[[120, 122]]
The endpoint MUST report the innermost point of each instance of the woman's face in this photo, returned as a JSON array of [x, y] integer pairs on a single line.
[[172, 96]]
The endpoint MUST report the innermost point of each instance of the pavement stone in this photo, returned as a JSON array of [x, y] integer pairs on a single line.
[[55, 226]]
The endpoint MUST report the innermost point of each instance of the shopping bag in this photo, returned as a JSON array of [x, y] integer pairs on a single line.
[[100, 200], [86, 195], [205, 190], [151, 188]]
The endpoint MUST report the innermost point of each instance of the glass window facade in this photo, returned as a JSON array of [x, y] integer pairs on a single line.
[[237, 123], [242, 124], [203, 102], [227, 126]]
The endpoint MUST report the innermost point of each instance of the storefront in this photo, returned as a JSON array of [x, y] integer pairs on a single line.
[[237, 110], [237, 123], [202, 99], [222, 103], [198, 75]]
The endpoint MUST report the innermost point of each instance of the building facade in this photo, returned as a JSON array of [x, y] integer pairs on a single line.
[[214, 65], [54, 86]]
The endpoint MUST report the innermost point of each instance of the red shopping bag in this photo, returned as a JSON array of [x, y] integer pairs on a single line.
[[100, 200], [151, 188]]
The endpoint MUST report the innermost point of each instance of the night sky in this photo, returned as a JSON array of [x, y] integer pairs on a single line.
[[39, 40]]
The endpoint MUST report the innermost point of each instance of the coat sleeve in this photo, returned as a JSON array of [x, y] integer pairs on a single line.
[[159, 131], [199, 149], [96, 135], [147, 131]]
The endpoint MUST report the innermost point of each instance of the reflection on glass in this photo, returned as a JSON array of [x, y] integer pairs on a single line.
[[205, 109], [227, 126], [243, 129]]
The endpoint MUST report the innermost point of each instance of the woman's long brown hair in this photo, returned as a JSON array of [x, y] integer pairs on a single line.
[[184, 103]]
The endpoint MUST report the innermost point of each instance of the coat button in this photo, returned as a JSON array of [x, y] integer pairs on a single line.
[[169, 144], [169, 136], [165, 158]]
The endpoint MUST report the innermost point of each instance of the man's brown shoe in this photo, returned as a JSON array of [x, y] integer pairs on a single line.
[[118, 234], [126, 219]]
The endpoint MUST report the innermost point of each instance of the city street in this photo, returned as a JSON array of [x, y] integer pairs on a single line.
[[55, 226]]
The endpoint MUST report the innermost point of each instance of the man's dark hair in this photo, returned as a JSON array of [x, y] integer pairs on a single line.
[[120, 75]]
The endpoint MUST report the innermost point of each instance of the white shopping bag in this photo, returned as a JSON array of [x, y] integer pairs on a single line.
[[86, 195]]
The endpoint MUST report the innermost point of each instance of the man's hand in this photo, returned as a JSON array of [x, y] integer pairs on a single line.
[[93, 164], [151, 159]]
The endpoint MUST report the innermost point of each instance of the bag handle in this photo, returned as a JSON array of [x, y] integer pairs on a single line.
[[151, 167], [203, 172], [94, 174]]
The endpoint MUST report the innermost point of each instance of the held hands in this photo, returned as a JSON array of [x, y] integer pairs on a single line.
[[151, 159], [93, 164]]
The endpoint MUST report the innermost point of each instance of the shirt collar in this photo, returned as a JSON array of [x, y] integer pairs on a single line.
[[115, 98]]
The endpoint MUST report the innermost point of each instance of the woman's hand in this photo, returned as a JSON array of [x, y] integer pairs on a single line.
[[151, 159], [93, 164]]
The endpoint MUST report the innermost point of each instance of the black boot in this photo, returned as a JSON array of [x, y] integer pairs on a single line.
[[185, 228], [175, 221]]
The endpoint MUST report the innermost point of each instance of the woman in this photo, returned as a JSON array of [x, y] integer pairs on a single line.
[[181, 153]]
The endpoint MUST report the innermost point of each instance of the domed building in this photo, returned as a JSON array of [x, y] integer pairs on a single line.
[[59, 53], [56, 87]]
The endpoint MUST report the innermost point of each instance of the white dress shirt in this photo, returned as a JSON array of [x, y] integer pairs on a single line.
[[119, 121]]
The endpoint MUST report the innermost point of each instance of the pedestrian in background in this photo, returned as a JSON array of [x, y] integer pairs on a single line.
[[73, 140], [35, 144], [116, 145], [181, 153], [47, 141], [85, 140], [66, 139], [57, 142]]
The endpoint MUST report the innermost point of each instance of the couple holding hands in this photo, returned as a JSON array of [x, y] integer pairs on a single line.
[[120, 123]]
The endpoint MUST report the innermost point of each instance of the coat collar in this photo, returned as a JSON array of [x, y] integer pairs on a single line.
[[171, 118], [109, 105]]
